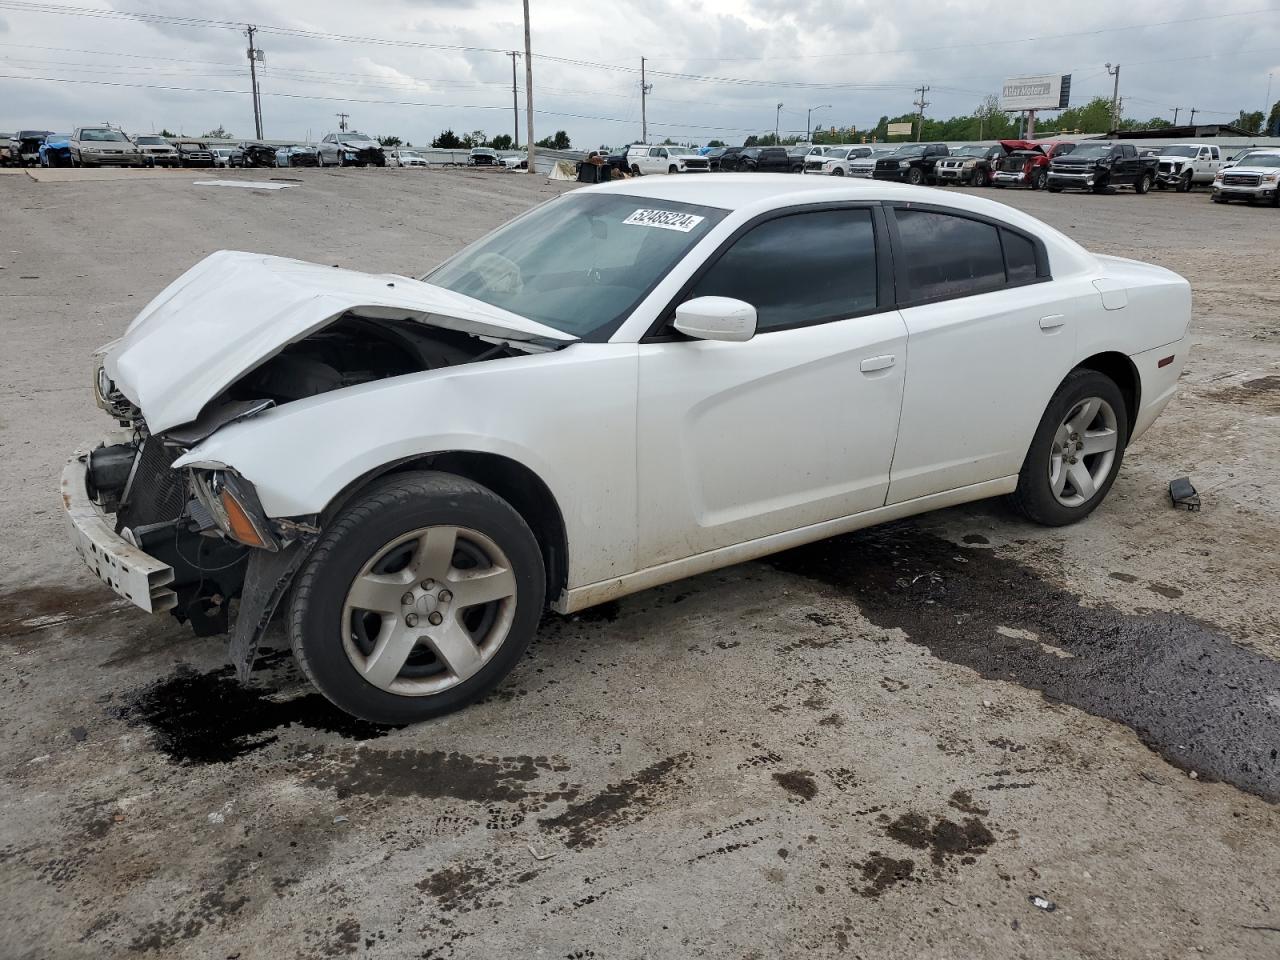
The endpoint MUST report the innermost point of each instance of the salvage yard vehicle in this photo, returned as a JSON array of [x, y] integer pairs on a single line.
[[727, 161], [832, 162], [103, 147], [158, 152], [1184, 165], [574, 408], [642, 159], [24, 146], [350, 148], [769, 160], [912, 163], [407, 158], [297, 155], [974, 165], [55, 151], [194, 153], [222, 156], [256, 155], [1029, 167], [864, 167], [1255, 178], [482, 157], [1101, 166]]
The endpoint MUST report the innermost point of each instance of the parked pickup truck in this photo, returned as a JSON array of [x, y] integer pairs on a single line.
[[1101, 165], [665, 159], [1184, 165], [769, 160], [911, 163], [1256, 177], [1030, 167]]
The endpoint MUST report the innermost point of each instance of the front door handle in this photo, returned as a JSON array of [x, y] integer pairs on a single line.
[[1053, 321], [872, 364]]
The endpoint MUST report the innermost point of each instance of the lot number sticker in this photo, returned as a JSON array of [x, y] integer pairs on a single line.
[[664, 219]]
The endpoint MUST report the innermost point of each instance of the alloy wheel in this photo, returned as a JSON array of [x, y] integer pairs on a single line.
[[1083, 451], [428, 610]]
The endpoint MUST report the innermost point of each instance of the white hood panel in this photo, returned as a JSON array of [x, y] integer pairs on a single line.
[[233, 311]]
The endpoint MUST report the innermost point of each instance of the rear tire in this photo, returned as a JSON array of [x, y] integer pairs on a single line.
[[1061, 481], [370, 622]]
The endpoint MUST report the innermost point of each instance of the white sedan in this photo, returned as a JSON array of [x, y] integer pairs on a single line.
[[627, 385]]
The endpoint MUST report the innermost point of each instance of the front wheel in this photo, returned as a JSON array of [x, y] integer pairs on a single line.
[[1143, 184], [419, 597], [837, 172], [915, 176], [635, 170], [1184, 183], [1040, 181], [1076, 452], [673, 169], [980, 178]]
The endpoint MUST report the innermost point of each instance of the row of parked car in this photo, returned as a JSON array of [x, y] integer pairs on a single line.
[[1055, 165]]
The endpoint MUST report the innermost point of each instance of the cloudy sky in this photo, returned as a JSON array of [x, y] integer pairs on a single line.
[[718, 67]]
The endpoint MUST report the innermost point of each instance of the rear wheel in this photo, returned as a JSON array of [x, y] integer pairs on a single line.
[[418, 599], [1076, 452]]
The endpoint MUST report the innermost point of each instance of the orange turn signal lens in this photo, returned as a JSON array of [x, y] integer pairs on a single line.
[[242, 527]]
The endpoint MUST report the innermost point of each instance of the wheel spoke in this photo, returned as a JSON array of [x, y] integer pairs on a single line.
[[1058, 479], [392, 648], [1099, 441], [379, 592], [434, 557], [483, 586], [1084, 415], [1081, 479], [454, 646]]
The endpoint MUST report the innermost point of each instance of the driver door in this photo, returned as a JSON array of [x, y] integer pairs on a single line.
[[738, 441]]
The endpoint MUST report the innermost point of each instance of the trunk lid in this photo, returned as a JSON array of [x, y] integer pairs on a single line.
[[233, 311]]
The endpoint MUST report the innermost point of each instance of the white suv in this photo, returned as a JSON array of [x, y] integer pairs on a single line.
[[642, 158], [1255, 177]]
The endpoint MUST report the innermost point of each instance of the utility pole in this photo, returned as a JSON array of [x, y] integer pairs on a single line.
[[515, 103], [777, 121], [342, 121], [528, 85], [1176, 111], [1194, 111], [644, 116], [808, 123], [920, 105], [253, 80], [1115, 96]]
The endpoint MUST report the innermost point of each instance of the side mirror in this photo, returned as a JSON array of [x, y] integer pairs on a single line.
[[717, 318]]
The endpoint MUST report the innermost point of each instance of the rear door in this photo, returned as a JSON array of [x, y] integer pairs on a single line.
[[797, 425], [1126, 164], [988, 342]]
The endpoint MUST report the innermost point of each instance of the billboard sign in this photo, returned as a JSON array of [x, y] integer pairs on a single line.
[[1049, 92], [900, 129]]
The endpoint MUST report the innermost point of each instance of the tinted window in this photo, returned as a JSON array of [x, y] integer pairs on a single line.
[[948, 256], [803, 268], [1019, 257]]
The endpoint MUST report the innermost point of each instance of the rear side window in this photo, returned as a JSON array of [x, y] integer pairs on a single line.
[[1019, 257], [948, 256], [800, 269]]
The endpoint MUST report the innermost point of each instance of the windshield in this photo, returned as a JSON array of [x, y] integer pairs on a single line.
[[1092, 150], [409, 154], [579, 263], [483, 150], [150, 141], [1180, 151], [1250, 158], [679, 151], [1262, 160], [355, 136], [102, 136], [970, 151], [801, 151], [912, 151]]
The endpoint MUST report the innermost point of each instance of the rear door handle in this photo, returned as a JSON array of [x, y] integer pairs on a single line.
[[1053, 321], [872, 364]]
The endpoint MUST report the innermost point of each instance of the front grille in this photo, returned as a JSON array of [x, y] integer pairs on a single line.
[[156, 493], [886, 164], [1165, 167], [1241, 179]]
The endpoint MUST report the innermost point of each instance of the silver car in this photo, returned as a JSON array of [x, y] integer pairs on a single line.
[[104, 147]]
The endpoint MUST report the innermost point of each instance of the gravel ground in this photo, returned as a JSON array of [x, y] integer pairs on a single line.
[[878, 746]]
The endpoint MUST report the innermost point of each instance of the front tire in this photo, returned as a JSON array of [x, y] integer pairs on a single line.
[[420, 596], [1076, 452], [915, 176], [1144, 184], [1184, 183]]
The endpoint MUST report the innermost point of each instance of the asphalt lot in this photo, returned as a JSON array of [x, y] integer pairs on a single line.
[[880, 746]]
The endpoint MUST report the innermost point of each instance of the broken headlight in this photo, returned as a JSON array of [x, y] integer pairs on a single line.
[[235, 508]]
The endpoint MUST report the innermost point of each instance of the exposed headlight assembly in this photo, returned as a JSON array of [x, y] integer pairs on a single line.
[[235, 508]]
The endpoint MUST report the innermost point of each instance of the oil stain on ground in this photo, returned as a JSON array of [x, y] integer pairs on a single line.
[[618, 804], [202, 718], [1189, 693]]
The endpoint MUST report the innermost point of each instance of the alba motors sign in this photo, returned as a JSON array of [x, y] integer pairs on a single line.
[[1051, 92]]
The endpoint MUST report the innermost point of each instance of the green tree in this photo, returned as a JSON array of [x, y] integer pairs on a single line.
[[1093, 117], [389, 141], [166, 133], [218, 133], [475, 138], [560, 141], [721, 143], [1252, 121], [882, 129], [502, 141], [448, 140]]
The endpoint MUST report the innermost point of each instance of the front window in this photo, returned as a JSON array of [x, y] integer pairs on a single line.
[[680, 151], [580, 263], [152, 141], [102, 136], [1092, 151], [915, 150], [355, 137], [1180, 152], [1264, 160], [971, 151]]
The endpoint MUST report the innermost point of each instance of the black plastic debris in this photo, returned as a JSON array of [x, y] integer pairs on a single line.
[[1184, 495]]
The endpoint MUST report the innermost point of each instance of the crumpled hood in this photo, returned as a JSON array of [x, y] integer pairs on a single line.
[[233, 311]]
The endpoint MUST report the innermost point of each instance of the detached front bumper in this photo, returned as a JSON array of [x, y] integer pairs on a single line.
[[137, 576]]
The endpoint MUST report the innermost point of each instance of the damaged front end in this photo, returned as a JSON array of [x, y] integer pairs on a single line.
[[193, 537]]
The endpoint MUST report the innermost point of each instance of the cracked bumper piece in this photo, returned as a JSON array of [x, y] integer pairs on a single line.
[[137, 576]]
